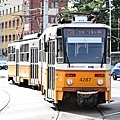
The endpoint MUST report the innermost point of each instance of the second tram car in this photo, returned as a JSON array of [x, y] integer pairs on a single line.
[[23, 61], [73, 65]]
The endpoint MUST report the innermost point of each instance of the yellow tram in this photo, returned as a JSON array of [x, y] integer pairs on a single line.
[[23, 61], [75, 62], [68, 62]]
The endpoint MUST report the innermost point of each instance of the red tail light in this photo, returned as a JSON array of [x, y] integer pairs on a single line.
[[70, 75], [99, 75]]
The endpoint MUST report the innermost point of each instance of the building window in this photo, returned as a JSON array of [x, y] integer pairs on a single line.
[[13, 23], [54, 4], [6, 11], [9, 37], [9, 24], [13, 37], [5, 24], [52, 20], [17, 22], [18, 8], [3, 12], [6, 37], [2, 38], [41, 5], [10, 10], [14, 9]]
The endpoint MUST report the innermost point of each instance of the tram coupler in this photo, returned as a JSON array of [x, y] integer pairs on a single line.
[[87, 97]]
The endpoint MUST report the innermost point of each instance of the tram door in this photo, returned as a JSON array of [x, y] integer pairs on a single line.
[[17, 65], [34, 65], [51, 69]]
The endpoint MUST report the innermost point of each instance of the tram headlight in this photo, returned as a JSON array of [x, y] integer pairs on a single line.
[[100, 81], [69, 81]]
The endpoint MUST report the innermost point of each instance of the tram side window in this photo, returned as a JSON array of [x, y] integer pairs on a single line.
[[21, 56], [53, 52], [108, 51], [9, 50], [11, 54], [24, 53], [44, 53], [13, 49], [59, 50]]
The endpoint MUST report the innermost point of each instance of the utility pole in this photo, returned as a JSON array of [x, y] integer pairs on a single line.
[[118, 34], [45, 14], [41, 19]]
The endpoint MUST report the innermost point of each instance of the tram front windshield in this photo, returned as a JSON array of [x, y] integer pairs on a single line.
[[84, 49], [85, 45]]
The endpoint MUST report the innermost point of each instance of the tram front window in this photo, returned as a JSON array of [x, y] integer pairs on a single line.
[[86, 50]]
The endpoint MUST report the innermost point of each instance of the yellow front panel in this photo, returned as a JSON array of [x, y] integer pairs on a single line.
[[82, 78]]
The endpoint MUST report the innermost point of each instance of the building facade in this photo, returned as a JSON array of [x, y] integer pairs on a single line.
[[23, 17], [10, 12]]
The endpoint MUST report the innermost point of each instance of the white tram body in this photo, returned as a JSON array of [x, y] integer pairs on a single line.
[[23, 65], [66, 76], [69, 62]]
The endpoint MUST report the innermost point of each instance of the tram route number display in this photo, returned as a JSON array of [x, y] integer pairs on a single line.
[[85, 31]]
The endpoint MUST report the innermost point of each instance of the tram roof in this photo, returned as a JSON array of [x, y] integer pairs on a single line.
[[85, 25], [53, 29]]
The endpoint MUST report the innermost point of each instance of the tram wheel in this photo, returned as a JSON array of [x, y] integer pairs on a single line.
[[34, 87]]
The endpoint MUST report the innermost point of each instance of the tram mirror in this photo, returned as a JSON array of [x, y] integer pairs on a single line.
[[46, 46]]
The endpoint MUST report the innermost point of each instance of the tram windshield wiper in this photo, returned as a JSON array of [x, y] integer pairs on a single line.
[[102, 61], [67, 59]]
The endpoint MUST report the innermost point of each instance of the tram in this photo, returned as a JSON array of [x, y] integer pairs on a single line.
[[75, 62], [23, 61], [69, 61]]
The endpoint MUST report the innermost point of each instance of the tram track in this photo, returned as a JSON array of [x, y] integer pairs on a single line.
[[57, 113], [7, 102], [103, 116]]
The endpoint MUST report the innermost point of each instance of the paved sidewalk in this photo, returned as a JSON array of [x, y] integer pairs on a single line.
[[3, 73]]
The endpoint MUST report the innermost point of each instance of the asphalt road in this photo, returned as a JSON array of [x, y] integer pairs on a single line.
[[21, 103]]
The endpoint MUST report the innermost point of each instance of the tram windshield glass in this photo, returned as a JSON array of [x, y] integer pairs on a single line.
[[85, 48]]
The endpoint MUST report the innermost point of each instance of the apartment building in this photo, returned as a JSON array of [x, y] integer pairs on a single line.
[[10, 12], [23, 17]]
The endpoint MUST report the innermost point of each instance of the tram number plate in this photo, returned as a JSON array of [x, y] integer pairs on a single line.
[[85, 79]]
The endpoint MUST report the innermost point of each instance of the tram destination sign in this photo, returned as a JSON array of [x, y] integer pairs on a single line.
[[85, 31]]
